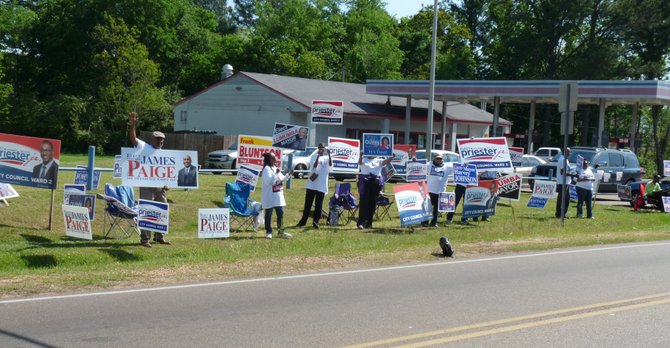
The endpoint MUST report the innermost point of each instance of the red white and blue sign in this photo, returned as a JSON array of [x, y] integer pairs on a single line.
[[344, 153], [248, 175], [327, 112], [485, 153], [378, 144], [29, 161], [413, 206], [416, 171], [153, 216]]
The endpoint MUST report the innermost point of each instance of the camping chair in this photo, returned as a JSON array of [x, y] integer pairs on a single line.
[[120, 212], [344, 203], [242, 210], [384, 203]]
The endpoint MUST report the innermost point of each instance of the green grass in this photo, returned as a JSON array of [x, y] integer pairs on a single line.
[[34, 260]]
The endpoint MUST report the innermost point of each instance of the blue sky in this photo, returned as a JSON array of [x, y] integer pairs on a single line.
[[405, 8]]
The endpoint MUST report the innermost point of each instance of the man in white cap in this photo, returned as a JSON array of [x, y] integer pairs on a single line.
[[157, 194]]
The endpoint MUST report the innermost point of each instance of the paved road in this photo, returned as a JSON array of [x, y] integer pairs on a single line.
[[607, 296]]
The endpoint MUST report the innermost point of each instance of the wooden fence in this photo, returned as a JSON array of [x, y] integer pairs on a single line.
[[203, 143]]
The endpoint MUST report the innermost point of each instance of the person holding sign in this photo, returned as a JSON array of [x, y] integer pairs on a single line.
[[317, 185], [585, 182], [370, 183], [437, 182], [158, 194], [273, 194]]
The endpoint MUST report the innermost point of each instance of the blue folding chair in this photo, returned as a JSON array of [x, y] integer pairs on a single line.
[[243, 211], [121, 210], [344, 204]]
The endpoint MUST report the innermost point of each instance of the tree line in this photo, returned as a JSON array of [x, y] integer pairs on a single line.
[[74, 69]]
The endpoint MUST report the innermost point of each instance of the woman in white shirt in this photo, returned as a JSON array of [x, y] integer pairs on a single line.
[[273, 194], [438, 174], [370, 184], [317, 185]]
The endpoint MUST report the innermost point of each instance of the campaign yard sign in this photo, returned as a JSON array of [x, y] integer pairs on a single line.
[[465, 174], [248, 175], [403, 154], [83, 200], [378, 144], [509, 186], [251, 148], [388, 171], [77, 222], [624, 192], [416, 171], [81, 177], [149, 167], [666, 204], [481, 199], [516, 155], [573, 192], [410, 203], [666, 168], [447, 202], [117, 167], [29, 161], [7, 191], [327, 112], [214, 223], [485, 153], [288, 136], [543, 191], [344, 153], [153, 216]]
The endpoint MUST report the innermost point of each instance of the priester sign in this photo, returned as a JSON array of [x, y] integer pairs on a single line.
[[327, 112]]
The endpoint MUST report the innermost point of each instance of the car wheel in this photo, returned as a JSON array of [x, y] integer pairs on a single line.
[[299, 175], [531, 183]]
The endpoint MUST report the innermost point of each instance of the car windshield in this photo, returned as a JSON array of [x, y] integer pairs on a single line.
[[588, 155], [233, 147]]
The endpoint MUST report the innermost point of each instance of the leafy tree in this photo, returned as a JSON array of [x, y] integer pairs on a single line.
[[372, 51]]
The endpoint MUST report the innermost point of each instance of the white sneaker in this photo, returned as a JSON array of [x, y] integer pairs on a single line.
[[268, 236], [285, 235], [360, 227]]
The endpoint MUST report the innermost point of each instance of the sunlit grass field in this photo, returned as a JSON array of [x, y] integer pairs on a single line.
[[35, 260]]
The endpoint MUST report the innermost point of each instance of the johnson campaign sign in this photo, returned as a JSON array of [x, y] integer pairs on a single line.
[[29, 161], [344, 153], [465, 175], [485, 153], [149, 167]]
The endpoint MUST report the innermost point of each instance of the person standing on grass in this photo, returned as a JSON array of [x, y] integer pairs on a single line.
[[437, 181], [562, 172], [317, 185], [370, 183], [158, 194], [584, 186], [273, 194]]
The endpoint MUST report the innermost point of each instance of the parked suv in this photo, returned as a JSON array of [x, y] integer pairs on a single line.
[[222, 159], [622, 166]]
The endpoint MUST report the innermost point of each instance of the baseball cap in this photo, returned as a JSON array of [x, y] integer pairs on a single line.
[[158, 134]]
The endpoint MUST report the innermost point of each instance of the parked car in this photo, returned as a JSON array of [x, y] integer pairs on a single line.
[[547, 153], [527, 165], [222, 159], [620, 166], [635, 192], [300, 160]]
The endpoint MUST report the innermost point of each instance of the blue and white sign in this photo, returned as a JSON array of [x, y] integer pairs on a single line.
[[378, 144], [537, 202], [248, 175], [447, 202], [117, 167], [153, 216], [465, 174], [81, 177], [416, 170]]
